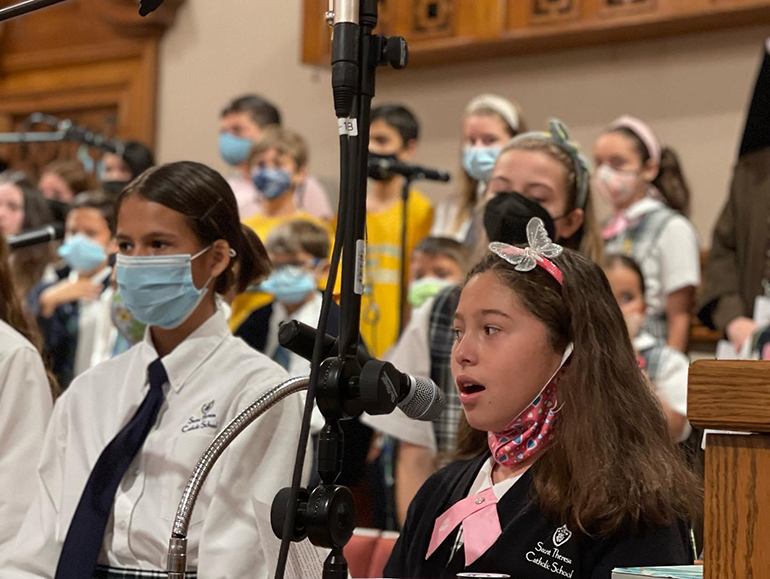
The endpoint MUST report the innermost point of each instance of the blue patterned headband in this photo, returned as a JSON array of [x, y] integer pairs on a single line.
[[558, 135]]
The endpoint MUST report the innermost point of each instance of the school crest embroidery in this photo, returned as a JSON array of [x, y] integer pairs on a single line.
[[561, 536]]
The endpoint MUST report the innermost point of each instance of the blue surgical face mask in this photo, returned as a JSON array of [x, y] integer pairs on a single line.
[[478, 162], [272, 183], [234, 150], [290, 284], [158, 290], [82, 253]]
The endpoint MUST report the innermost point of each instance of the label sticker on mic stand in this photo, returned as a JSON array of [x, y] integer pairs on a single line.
[[348, 127], [360, 262]]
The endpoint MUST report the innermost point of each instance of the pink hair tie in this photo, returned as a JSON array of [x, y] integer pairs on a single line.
[[540, 249], [641, 130]]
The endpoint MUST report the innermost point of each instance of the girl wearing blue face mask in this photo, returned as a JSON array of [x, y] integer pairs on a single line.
[[126, 435], [74, 312], [489, 122]]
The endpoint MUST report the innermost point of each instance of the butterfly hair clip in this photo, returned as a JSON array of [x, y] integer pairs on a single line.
[[540, 251]]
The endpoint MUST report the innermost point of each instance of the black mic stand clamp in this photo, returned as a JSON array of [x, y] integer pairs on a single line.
[[327, 514]]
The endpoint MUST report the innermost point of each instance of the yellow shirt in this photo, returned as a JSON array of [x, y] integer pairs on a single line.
[[380, 304], [244, 304]]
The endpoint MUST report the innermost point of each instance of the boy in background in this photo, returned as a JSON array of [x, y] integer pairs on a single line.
[[241, 124], [437, 262], [394, 134]]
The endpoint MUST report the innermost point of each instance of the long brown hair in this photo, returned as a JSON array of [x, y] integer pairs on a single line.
[[613, 466], [13, 314]]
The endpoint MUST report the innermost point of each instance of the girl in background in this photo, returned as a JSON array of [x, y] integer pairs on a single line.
[[643, 183], [489, 122], [569, 468], [23, 207], [126, 434]]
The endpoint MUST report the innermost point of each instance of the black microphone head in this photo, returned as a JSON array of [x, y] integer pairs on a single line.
[[147, 6], [425, 400]]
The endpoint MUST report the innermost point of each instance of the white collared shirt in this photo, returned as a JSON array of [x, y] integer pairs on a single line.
[[212, 377], [25, 408], [674, 262], [96, 332]]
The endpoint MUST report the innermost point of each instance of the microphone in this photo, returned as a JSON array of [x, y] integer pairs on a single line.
[[380, 167], [147, 6], [345, 65], [36, 236], [381, 386]]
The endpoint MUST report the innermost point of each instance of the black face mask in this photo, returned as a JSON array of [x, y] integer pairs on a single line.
[[59, 209], [114, 188], [506, 217], [375, 171]]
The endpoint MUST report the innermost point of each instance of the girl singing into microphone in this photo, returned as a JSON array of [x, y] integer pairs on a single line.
[[124, 438], [569, 467]]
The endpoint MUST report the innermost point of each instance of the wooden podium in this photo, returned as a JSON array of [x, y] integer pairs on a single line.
[[734, 395]]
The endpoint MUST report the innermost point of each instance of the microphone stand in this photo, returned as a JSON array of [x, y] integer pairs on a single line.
[[404, 279], [327, 515]]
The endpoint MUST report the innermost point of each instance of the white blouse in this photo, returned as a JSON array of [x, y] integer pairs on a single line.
[[212, 377], [25, 408]]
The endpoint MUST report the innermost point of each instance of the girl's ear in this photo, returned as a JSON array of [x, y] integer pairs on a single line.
[[650, 170], [219, 257], [569, 224]]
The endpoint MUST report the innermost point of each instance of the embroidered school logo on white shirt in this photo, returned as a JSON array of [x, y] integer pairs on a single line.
[[207, 419], [561, 536]]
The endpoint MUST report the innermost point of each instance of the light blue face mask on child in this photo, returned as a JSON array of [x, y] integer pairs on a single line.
[[272, 183], [82, 253], [478, 162], [158, 290], [290, 284], [234, 150]]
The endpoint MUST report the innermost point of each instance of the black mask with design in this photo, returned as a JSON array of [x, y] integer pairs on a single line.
[[507, 214], [376, 172]]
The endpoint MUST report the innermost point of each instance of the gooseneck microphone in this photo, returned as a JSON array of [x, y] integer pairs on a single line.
[[381, 386], [36, 236], [345, 57]]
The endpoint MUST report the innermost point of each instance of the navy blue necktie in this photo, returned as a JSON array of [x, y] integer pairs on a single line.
[[85, 535]]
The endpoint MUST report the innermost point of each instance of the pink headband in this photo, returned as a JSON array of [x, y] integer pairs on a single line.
[[540, 249], [641, 130]]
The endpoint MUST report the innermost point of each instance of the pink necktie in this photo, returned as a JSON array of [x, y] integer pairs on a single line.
[[617, 225], [481, 525]]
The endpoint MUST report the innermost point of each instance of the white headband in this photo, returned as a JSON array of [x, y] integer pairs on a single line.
[[498, 104]]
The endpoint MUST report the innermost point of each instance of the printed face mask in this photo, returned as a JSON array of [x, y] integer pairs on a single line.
[[533, 429], [272, 183], [615, 187], [159, 290], [422, 290], [478, 162]]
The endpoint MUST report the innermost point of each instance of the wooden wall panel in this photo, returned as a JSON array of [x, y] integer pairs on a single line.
[[446, 31], [92, 61]]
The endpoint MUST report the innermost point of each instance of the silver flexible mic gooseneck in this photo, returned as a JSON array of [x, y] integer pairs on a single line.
[[177, 547]]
